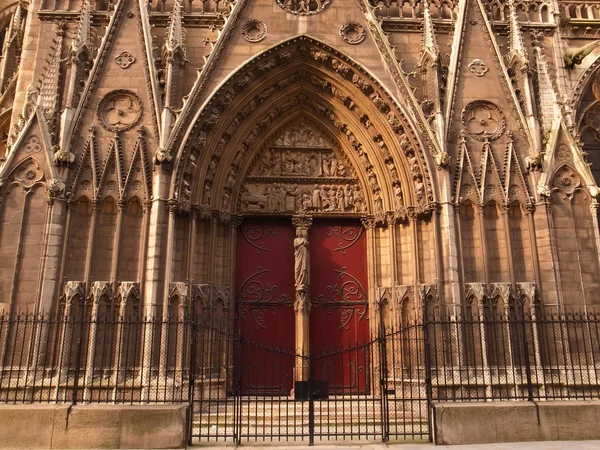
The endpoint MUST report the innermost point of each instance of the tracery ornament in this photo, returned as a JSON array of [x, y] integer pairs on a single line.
[[29, 174], [119, 110], [483, 120], [478, 67], [304, 7], [33, 145], [591, 120], [566, 180], [353, 32], [124, 59], [254, 30]]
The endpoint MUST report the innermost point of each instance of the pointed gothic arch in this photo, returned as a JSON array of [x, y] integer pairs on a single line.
[[304, 74]]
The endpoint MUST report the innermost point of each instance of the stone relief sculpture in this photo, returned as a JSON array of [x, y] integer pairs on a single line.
[[301, 171]]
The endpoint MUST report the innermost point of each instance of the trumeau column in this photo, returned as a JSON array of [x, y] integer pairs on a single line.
[[302, 302]]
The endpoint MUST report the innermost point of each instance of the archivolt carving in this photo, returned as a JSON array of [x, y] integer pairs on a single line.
[[304, 7], [264, 64]]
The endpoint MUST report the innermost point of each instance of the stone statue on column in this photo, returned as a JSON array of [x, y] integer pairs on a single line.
[[302, 264]]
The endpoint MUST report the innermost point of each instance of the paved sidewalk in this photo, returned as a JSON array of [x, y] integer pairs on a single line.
[[550, 445]]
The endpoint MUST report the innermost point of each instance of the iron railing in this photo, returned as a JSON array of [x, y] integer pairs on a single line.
[[380, 386], [515, 356]]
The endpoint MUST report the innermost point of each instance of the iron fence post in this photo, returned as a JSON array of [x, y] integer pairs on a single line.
[[311, 402], [192, 373], [383, 379], [78, 356], [526, 353], [427, 361]]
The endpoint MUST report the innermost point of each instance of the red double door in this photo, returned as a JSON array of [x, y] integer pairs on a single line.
[[265, 294]]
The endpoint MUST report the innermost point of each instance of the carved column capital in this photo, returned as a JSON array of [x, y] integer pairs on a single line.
[[302, 222], [368, 222]]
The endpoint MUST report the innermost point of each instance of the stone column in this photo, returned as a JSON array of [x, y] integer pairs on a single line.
[[302, 302]]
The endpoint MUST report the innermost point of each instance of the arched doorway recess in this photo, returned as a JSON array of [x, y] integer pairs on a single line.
[[298, 145]]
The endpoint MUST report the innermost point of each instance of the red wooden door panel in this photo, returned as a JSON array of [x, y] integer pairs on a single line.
[[265, 313], [339, 324]]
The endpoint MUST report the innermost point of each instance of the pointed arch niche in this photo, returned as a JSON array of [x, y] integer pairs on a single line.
[[302, 130]]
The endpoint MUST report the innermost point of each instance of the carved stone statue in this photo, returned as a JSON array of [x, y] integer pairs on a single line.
[[302, 268]]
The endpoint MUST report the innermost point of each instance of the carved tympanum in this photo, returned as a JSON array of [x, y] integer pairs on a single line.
[[304, 7], [119, 110], [301, 171]]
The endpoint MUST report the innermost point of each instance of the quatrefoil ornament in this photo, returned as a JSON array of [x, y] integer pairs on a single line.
[[124, 59]]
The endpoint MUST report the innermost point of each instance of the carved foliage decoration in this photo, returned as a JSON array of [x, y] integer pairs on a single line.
[[119, 110], [304, 7], [483, 120], [300, 171]]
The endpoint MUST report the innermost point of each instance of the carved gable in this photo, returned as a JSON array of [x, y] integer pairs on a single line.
[[301, 170]]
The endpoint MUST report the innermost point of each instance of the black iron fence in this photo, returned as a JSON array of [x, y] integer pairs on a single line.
[[380, 387], [515, 356]]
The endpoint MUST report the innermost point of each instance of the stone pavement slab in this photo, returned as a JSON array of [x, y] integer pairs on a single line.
[[548, 445]]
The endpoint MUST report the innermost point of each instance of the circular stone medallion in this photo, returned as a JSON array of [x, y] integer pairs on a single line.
[[353, 33], [304, 7], [119, 110], [254, 30]]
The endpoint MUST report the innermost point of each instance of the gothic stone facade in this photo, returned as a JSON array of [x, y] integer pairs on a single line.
[[460, 139]]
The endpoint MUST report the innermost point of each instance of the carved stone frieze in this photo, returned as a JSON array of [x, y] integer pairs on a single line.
[[119, 110]]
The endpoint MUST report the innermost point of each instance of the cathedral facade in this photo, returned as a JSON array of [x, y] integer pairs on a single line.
[[292, 167]]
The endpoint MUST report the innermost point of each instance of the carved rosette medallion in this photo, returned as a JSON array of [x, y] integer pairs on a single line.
[[254, 30], [124, 59], [119, 110], [304, 7], [301, 171], [353, 33], [483, 120], [478, 67]]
